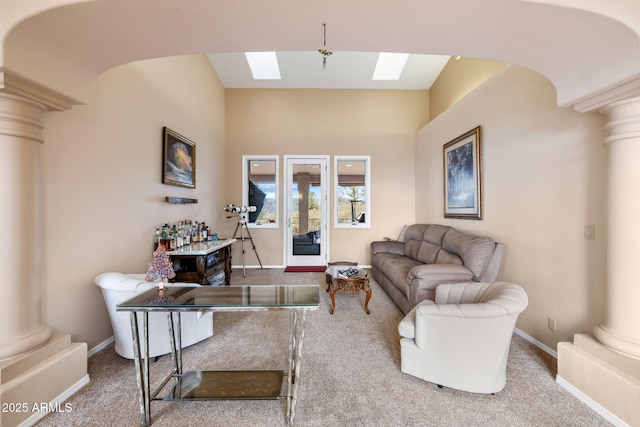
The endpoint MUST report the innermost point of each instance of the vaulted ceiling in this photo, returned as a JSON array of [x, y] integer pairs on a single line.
[[343, 70], [53, 49]]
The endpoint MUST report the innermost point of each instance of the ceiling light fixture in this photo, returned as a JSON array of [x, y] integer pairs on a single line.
[[264, 65], [324, 52], [390, 66]]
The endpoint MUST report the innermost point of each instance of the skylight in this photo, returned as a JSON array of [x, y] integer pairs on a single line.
[[264, 65], [390, 66]]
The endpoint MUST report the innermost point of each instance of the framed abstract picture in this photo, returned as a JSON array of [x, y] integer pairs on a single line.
[[178, 159], [463, 176]]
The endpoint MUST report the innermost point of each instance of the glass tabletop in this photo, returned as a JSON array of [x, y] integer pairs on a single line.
[[221, 298]]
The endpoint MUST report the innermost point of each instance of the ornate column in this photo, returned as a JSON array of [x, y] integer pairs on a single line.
[[621, 330], [22, 327]]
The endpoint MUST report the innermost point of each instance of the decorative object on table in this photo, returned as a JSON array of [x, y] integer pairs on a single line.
[[328, 276], [178, 160], [324, 52], [160, 268], [348, 273], [463, 176]]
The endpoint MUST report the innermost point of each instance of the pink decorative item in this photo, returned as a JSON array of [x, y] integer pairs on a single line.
[[160, 268]]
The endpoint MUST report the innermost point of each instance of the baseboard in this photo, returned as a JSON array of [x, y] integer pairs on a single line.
[[537, 343], [604, 413], [104, 344], [599, 409], [56, 404]]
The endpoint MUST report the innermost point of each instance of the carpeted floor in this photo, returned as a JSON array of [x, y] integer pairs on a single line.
[[350, 376]]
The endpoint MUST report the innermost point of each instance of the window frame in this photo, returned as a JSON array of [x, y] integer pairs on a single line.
[[367, 195], [245, 187]]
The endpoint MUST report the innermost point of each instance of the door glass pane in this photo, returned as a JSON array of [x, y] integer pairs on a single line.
[[306, 209]]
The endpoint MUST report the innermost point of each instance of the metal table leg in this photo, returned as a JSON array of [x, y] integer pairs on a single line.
[[296, 338], [175, 339], [141, 356]]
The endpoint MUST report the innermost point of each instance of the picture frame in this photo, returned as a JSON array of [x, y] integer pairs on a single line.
[[178, 159], [463, 176]]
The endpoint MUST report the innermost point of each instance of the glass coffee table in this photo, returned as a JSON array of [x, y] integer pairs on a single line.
[[212, 385], [351, 280]]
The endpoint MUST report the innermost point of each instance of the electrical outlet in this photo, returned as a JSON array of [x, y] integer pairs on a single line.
[[551, 324], [590, 232]]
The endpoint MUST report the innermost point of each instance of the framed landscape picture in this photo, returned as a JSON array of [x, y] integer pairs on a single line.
[[178, 160], [463, 176]]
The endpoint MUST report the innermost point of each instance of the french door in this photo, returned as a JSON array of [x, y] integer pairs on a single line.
[[306, 231]]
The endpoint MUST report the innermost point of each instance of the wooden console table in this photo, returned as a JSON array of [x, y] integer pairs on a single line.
[[200, 262], [212, 385]]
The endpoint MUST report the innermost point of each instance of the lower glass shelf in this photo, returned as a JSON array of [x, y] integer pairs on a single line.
[[212, 385]]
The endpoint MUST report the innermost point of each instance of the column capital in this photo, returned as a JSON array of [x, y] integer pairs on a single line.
[[623, 120], [21, 117]]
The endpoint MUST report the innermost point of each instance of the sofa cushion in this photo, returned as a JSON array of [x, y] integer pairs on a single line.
[[424, 241], [428, 252], [415, 232], [434, 233], [475, 251], [411, 248], [445, 257]]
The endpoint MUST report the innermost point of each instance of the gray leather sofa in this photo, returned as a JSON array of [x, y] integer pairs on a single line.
[[430, 255]]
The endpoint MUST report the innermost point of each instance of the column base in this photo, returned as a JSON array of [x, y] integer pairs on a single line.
[[610, 379], [617, 344], [36, 383]]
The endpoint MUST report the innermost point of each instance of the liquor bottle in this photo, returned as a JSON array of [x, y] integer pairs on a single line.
[[172, 241], [187, 234], [156, 239], [203, 233], [164, 235]]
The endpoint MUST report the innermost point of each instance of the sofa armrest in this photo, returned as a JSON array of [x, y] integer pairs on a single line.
[[407, 326], [387, 246], [423, 279]]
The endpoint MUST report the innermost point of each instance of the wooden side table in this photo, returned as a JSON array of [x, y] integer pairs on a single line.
[[350, 285]]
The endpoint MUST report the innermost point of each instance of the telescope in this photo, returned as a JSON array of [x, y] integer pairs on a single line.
[[242, 212], [239, 209]]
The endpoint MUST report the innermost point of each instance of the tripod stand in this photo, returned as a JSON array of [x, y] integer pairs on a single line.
[[242, 226]]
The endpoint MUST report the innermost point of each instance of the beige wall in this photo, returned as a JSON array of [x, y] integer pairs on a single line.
[[458, 78], [379, 123], [102, 190], [544, 180]]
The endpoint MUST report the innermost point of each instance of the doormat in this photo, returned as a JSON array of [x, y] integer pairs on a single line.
[[305, 269]]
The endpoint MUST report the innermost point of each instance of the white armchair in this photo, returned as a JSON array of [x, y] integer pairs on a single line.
[[118, 287], [462, 339]]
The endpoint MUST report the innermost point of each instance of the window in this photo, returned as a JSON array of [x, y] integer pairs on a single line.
[[352, 191], [260, 189]]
